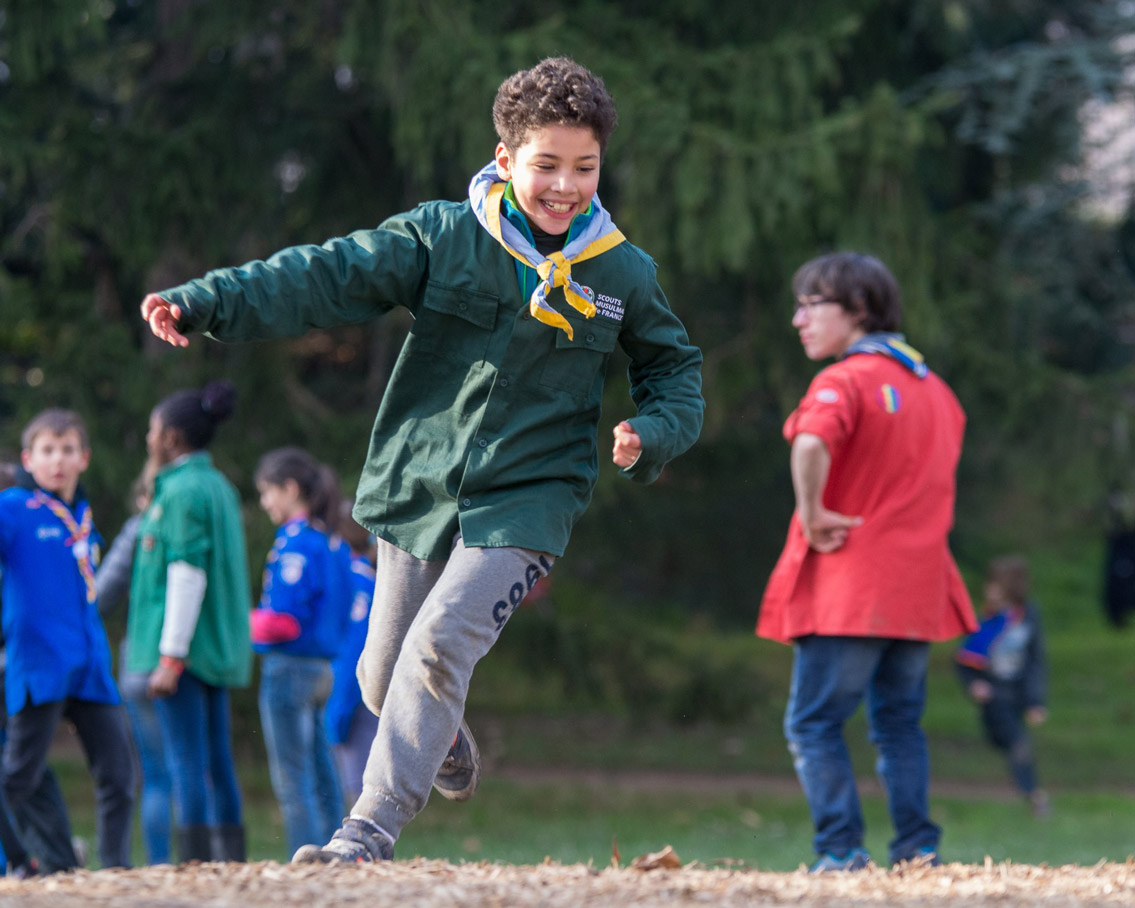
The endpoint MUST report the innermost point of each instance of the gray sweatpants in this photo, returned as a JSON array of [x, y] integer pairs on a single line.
[[430, 623]]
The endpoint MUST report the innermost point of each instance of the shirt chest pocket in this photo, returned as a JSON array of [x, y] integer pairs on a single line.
[[455, 322], [576, 365]]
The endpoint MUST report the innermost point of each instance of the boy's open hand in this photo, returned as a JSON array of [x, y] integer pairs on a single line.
[[163, 317], [628, 446]]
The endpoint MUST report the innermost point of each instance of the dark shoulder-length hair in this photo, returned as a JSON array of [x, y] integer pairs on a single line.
[[860, 283]]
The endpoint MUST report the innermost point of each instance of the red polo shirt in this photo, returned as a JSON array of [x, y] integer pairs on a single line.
[[894, 440]]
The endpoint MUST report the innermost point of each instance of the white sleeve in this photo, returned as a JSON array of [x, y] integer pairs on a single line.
[[185, 591]]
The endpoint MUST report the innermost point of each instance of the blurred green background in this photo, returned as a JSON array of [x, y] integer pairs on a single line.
[[971, 145]]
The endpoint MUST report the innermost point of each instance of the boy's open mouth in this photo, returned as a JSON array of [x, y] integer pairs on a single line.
[[557, 207]]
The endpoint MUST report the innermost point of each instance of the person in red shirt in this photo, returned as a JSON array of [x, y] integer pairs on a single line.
[[866, 579]]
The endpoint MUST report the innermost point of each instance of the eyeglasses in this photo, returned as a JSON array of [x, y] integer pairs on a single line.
[[806, 304]]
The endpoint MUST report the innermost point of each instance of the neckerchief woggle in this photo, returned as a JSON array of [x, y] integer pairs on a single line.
[[598, 235], [78, 541], [892, 344]]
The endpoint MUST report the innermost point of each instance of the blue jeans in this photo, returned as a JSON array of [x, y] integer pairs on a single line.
[[293, 695], [157, 786], [830, 677], [197, 734]]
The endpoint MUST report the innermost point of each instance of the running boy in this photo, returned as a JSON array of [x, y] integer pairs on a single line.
[[483, 453], [58, 655]]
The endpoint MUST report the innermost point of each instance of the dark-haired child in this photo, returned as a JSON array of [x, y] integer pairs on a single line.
[[58, 658], [350, 725], [866, 581], [1003, 669], [16, 860], [298, 629], [188, 621], [484, 451]]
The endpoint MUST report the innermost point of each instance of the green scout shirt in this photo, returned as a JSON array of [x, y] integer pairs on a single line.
[[489, 423], [194, 517]]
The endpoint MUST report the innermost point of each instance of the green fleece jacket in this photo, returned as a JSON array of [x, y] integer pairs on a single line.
[[489, 423]]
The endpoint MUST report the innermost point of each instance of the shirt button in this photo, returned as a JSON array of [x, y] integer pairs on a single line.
[[591, 338], [462, 306], [465, 502], [504, 382], [483, 443], [527, 316]]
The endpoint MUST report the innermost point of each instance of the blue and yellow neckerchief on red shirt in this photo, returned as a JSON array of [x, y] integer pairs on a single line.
[[594, 235], [893, 345]]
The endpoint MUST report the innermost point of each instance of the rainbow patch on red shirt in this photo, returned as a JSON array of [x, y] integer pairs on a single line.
[[888, 398]]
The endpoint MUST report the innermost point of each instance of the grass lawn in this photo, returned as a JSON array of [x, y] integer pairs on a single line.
[[593, 714], [751, 823]]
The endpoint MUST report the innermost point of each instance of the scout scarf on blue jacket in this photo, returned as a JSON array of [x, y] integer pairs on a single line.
[[976, 649], [597, 236], [888, 343], [80, 541]]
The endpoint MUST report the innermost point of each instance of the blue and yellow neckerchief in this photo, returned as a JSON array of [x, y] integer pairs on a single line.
[[892, 344], [597, 236]]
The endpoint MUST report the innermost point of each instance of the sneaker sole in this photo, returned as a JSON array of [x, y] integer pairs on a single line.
[[464, 790]]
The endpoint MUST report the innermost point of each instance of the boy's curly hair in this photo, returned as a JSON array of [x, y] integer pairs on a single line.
[[556, 91]]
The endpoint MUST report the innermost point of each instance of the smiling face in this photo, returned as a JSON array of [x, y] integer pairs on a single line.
[[554, 174], [56, 461], [826, 328]]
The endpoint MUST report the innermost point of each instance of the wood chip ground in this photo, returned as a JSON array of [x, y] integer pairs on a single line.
[[438, 884]]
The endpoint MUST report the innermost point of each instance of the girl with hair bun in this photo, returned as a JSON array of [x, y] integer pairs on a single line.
[[298, 629], [188, 621]]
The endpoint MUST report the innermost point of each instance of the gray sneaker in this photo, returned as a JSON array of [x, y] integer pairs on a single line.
[[357, 841], [461, 771]]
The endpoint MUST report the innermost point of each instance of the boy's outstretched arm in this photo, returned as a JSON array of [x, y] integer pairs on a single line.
[[347, 280], [162, 317]]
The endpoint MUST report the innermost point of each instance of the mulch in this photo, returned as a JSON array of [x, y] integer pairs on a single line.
[[659, 881]]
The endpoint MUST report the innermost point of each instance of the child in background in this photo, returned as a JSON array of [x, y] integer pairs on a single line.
[[350, 725], [58, 657], [188, 619], [1002, 666], [113, 582], [14, 859], [298, 629]]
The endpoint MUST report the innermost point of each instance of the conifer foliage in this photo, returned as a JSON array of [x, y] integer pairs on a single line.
[[144, 142]]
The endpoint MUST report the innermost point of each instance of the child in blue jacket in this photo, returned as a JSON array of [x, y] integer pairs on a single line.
[[1003, 669], [58, 658], [298, 629], [350, 724]]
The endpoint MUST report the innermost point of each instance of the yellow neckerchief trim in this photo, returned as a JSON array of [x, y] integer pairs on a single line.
[[555, 270]]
